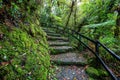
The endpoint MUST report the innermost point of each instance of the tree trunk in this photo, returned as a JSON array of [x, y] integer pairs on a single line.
[[75, 16], [71, 10]]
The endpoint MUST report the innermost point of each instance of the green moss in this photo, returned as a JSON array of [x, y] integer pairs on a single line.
[[96, 73], [23, 49], [91, 78], [103, 72], [28, 53], [92, 72]]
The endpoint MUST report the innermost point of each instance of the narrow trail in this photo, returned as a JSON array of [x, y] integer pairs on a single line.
[[70, 63]]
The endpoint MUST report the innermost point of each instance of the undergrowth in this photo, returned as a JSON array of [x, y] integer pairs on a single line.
[[23, 53]]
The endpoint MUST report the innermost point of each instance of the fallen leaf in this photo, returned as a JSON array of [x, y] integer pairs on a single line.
[[74, 78]]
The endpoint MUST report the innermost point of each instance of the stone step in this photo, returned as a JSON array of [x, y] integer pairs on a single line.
[[60, 49], [58, 43], [49, 31], [46, 28], [57, 38], [70, 73], [51, 34], [70, 58]]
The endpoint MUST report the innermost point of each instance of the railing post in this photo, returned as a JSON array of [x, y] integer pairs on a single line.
[[80, 47], [97, 52], [70, 37], [97, 48]]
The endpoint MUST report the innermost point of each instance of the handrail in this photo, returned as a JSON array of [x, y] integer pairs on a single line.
[[96, 53], [95, 42], [110, 51], [79, 34]]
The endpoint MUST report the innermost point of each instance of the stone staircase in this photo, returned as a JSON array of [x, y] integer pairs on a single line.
[[71, 63]]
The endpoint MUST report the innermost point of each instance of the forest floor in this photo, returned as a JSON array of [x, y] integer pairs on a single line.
[[70, 64]]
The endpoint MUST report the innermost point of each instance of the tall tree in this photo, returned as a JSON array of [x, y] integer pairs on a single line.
[[71, 10]]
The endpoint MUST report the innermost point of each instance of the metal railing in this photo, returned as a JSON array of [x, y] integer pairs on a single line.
[[96, 52]]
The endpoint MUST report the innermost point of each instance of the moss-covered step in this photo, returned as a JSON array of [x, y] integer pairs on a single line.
[[44, 28], [55, 34], [48, 28], [50, 31], [70, 58], [57, 38], [60, 49], [58, 43]]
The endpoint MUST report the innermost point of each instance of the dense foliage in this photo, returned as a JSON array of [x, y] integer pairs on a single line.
[[90, 17]]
